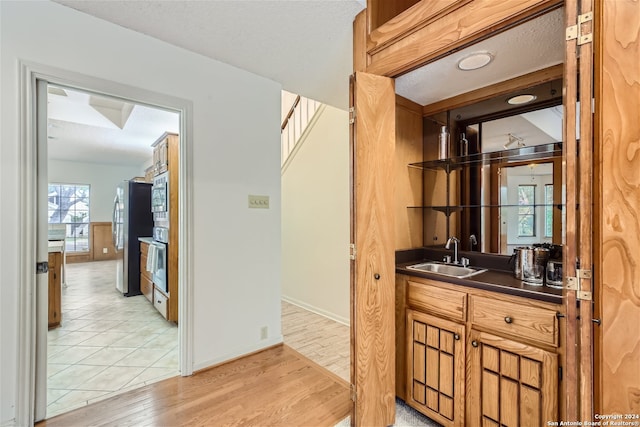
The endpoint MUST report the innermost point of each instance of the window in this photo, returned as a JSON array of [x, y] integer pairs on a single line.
[[526, 210], [548, 210], [69, 205]]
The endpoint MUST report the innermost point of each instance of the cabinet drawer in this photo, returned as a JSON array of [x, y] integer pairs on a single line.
[[448, 303], [520, 320], [160, 302], [146, 287]]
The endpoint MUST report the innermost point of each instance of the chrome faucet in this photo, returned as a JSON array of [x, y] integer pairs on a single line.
[[455, 248], [472, 241]]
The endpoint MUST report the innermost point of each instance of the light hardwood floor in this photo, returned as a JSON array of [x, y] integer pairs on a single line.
[[288, 386], [322, 340], [275, 387]]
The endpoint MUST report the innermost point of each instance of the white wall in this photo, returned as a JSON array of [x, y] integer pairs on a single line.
[[315, 219], [236, 152], [103, 180]]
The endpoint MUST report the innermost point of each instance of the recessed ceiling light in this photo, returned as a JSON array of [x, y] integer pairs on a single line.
[[474, 61], [521, 99]]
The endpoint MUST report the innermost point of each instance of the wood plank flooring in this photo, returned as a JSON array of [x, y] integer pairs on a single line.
[[275, 387]]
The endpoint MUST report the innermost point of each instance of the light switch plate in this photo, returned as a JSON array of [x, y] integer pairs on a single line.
[[258, 202]]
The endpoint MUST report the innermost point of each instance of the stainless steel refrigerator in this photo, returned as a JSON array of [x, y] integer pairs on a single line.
[[132, 218]]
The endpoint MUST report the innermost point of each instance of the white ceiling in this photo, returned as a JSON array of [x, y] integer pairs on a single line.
[[87, 128], [306, 45], [303, 44]]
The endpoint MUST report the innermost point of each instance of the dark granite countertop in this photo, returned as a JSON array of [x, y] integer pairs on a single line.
[[495, 280]]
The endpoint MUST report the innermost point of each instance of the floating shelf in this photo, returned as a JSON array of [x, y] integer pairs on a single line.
[[523, 154]]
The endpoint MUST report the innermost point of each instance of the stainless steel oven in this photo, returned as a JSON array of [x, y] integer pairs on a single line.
[[158, 249], [160, 198]]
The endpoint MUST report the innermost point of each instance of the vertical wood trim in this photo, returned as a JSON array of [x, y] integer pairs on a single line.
[[409, 222], [585, 211], [401, 336], [373, 288], [360, 55], [617, 201], [352, 240], [569, 410], [557, 201], [173, 154]]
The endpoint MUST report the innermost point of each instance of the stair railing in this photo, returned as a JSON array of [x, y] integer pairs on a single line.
[[295, 123]]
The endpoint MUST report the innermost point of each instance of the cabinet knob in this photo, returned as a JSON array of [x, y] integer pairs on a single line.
[[456, 337], [474, 343], [508, 319], [376, 276]]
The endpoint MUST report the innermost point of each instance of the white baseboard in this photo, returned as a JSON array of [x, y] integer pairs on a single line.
[[316, 310], [239, 353]]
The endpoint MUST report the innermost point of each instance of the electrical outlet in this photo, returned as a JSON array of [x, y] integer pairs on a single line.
[[258, 202], [264, 332], [105, 250]]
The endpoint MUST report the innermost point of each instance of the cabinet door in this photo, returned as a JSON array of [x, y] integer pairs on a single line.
[[55, 298], [510, 384], [373, 262], [436, 367]]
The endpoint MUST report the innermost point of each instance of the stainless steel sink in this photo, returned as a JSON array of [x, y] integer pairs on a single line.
[[447, 269]]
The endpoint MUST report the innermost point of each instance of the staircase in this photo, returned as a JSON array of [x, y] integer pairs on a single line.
[[296, 125]]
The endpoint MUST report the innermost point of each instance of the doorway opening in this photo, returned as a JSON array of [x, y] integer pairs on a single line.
[[106, 334]]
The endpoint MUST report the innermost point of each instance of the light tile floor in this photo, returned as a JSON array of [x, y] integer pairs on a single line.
[[107, 343]]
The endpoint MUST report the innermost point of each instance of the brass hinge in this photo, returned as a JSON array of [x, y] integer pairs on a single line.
[[353, 393], [582, 19], [575, 284], [352, 115], [574, 32], [571, 33], [352, 251]]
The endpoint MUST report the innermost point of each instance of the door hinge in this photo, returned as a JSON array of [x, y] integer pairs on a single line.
[[42, 267], [559, 373], [587, 37], [575, 284], [352, 115], [352, 251], [574, 32], [353, 393]]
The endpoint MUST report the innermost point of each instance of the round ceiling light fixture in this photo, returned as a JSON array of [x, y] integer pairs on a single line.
[[521, 99], [475, 61]]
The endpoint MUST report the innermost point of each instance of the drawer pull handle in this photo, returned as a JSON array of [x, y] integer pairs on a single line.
[[474, 343], [508, 319], [456, 337], [376, 276]]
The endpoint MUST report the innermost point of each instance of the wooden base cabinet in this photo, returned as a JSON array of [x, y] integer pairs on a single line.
[[510, 383], [436, 367], [479, 358], [55, 291], [146, 282]]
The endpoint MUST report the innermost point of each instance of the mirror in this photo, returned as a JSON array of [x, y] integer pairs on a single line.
[[501, 187]]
